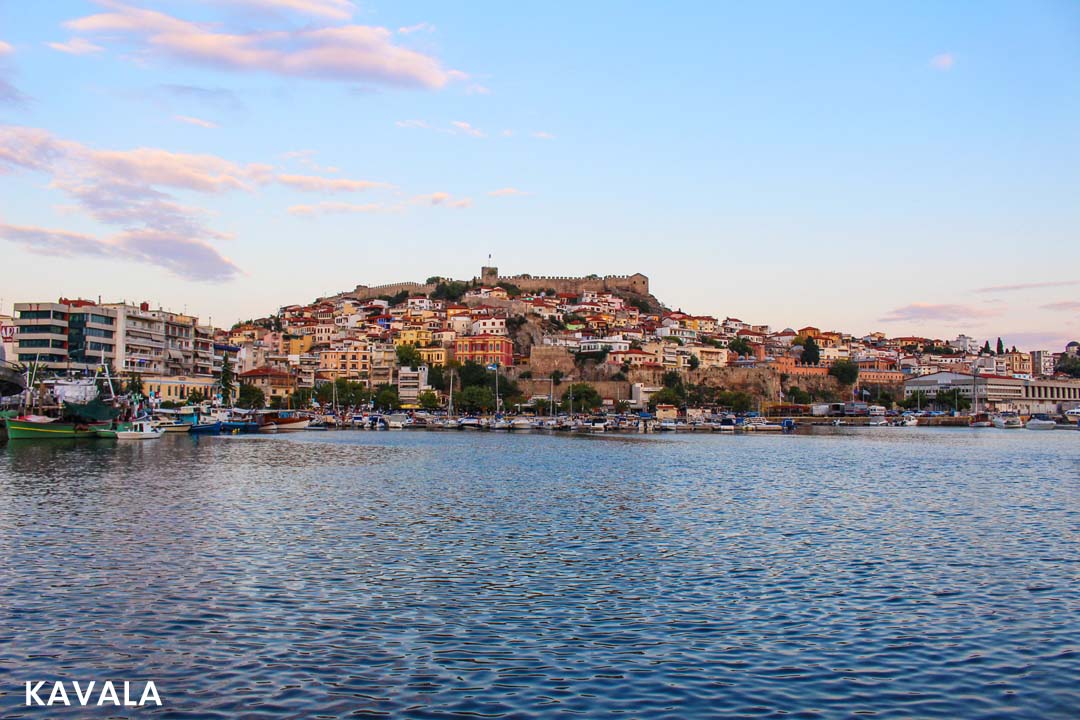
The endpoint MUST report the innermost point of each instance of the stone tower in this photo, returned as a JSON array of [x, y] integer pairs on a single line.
[[489, 276]]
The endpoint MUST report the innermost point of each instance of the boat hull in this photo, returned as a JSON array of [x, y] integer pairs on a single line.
[[213, 428], [27, 430]]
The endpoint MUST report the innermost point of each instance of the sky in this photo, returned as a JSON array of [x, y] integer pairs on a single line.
[[905, 167]]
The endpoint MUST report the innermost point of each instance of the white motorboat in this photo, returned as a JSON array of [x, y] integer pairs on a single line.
[[1008, 420], [397, 421], [760, 423], [906, 421], [521, 423], [499, 424], [877, 416], [140, 430], [469, 423], [668, 426], [1041, 421]]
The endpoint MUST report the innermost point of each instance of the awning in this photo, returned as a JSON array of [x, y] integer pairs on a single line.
[[175, 354]]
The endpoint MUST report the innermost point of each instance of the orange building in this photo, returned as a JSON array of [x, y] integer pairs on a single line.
[[485, 349]]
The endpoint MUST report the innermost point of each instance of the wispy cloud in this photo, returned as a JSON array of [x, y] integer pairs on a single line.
[[351, 53], [333, 9], [9, 94], [506, 192], [929, 311], [412, 124], [418, 27], [944, 61], [328, 207], [442, 198], [199, 122], [183, 256], [313, 183], [477, 89], [542, 135], [217, 98], [1063, 306], [76, 46], [468, 129], [1028, 286], [132, 189]]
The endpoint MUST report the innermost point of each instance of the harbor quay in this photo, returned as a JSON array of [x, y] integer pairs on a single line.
[[509, 352]]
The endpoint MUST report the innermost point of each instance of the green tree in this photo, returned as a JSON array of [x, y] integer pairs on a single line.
[[799, 396], [475, 398], [811, 353], [387, 398], [429, 400], [557, 376], [916, 400], [986, 348], [672, 379], [541, 406], [135, 385], [276, 402], [740, 346], [251, 397], [1069, 365], [845, 372], [438, 378], [665, 396], [952, 400], [584, 397], [409, 356], [695, 362], [228, 378], [1000, 347], [196, 396]]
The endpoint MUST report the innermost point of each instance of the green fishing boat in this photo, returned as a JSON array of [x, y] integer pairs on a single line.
[[110, 431], [30, 430]]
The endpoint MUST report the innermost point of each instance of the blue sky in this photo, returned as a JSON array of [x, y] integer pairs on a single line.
[[897, 167]]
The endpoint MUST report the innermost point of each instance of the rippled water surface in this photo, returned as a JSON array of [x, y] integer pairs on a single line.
[[886, 572]]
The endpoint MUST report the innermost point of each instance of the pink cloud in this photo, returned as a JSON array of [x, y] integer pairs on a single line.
[[944, 61], [1028, 286], [182, 256], [468, 129], [506, 192], [6, 48], [418, 27], [128, 188], [324, 208], [442, 198], [929, 311], [333, 9], [312, 183], [541, 135], [76, 46], [355, 53], [1063, 306], [198, 122]]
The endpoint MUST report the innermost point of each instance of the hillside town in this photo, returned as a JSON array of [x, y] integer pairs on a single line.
[[605, 340]]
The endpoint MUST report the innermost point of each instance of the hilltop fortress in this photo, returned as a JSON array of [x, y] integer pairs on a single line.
[[489, 276]]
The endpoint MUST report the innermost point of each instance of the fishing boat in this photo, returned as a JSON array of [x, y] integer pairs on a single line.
[[209, 428], [1007, 420], [726, 424], [521, 423], [1041, 421], [981, 420], [281, 421], [500, 424], [23, 428], [469, 423], [139, 430]]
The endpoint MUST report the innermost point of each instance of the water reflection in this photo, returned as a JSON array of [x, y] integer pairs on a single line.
[[914, 573]]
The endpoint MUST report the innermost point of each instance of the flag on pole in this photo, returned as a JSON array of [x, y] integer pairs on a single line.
[[493, 366]]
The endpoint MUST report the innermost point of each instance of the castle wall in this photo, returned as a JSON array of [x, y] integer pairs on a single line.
[[363, 292]]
